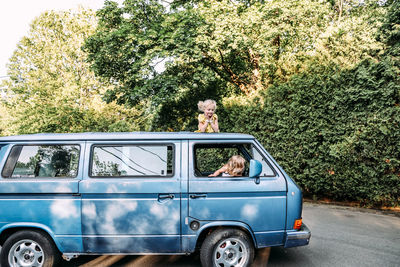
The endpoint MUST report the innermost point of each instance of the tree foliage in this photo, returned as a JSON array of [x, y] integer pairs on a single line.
[[51, 88], [389, 32], [242, 46]]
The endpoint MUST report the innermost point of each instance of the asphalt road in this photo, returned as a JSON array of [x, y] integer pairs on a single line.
[[341, 236], [344, 236]]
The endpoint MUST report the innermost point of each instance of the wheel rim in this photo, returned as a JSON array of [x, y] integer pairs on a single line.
[[26, 253], [230, 252]]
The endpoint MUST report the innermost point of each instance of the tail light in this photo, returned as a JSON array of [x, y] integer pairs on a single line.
[[297, 224]]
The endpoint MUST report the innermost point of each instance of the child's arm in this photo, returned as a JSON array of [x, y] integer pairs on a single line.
[[214, 125], [202, 123], [202, 126], [218, 172]]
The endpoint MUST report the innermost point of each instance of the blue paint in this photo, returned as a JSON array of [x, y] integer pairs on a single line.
[[86, 215]]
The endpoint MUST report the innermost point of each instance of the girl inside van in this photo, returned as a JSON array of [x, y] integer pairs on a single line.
[[234, 167]]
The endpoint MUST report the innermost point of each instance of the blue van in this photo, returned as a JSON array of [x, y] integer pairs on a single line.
[[142, 193]]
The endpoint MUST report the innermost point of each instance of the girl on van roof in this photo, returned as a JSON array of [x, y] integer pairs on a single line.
[[208, 121]]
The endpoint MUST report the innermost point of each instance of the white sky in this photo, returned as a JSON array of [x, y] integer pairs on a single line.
[[16, 16]]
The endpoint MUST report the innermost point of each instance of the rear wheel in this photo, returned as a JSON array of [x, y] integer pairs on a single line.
[[29, 248], [227, 248]]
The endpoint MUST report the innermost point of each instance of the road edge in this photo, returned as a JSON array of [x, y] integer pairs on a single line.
[[352, 206]]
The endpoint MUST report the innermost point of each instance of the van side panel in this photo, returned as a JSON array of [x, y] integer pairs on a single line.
[[60, 214], [295, 201], [131, 214], [47, 203]]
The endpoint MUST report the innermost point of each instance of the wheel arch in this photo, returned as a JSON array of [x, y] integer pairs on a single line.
[[207, 229], [8, 230]]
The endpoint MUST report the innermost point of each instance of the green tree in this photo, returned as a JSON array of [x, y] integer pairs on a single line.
[[219, 48], [389, 32], [51, 88]]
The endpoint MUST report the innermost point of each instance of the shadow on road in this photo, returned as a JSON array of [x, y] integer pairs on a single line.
[[193, 260], [134, 261]]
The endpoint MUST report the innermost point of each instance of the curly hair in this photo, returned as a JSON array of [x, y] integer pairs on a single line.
[[203, 104], [235, 165]]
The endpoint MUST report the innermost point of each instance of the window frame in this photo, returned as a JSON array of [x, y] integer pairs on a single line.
[[22, 145], [92, 146]]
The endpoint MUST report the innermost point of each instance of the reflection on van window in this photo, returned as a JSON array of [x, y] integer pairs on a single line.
[[132, 160], [42, 161]]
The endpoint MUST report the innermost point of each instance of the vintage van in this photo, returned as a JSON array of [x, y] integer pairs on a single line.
[[142, 193]]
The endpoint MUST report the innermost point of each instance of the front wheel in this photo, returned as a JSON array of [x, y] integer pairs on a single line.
[[227, 248], [28, 248]]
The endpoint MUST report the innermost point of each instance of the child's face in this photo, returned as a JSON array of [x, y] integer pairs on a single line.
[[209, 111]]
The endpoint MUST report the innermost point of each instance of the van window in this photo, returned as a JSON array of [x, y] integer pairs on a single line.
[[132, 160], [211, 157], [45, 161]]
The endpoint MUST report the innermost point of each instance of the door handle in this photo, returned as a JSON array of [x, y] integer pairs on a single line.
[[162, 197], [194, 196]]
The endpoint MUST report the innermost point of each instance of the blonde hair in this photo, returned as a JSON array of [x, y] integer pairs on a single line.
[[235, 165], [203, 104]]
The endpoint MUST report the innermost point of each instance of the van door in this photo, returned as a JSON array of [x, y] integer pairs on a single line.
[[131, 198], [261, 207]]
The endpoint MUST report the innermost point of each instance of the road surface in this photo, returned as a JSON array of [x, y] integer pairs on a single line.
[[342, 236]]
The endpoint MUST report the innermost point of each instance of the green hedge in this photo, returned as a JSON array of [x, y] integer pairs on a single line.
[[335, 132]]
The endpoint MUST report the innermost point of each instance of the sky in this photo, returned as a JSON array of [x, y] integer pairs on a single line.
[[16, 16]]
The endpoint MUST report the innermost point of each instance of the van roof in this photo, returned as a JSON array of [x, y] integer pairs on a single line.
[[124, 136]]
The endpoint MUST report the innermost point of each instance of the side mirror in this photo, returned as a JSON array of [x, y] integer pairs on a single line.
[[255, 170]]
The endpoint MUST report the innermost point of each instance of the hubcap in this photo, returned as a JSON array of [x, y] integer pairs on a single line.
[[26, 253], [230, 252]]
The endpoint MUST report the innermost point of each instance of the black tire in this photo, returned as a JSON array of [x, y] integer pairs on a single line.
[[31, 247], [227, 248]]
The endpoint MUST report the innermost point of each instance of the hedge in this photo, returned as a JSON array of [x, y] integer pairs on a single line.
[[336, 132]]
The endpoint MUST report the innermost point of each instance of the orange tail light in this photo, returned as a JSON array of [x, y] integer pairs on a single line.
[[297, 224]]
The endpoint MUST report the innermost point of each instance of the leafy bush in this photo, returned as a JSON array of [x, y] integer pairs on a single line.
[[335, 132]]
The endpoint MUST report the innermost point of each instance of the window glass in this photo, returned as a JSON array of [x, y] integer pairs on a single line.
[[132, 160], [42, 161], [266, 169], [211, 157]]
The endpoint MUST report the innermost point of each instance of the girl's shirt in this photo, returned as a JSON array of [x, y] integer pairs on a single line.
[[202, 119]]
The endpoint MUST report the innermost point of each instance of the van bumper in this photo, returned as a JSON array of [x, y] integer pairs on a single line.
[[298, 238]]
